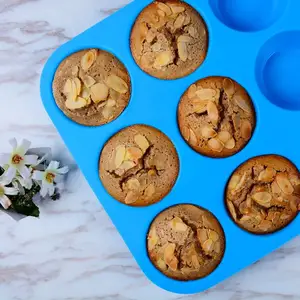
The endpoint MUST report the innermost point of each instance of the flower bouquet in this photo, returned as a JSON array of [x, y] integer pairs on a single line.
[[27, 174]]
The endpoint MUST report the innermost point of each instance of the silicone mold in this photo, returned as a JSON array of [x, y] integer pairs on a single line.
[[254, 42]]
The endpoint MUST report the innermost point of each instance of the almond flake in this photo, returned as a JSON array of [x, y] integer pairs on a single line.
[[116, 83], [206, 94], [265, 225], [284, 184], [133, 184], [232, 210], [179, 21], [195, 262], [127, 165], [131, 197], [88, 59], [275, 188], [193, 138], [202, 235], [199, 106], [192, 32], [187, 20], [213, 113], [151, 35], [73, 105], [228, 86], [119, 155], [169, 257], [215, 145], [242, 103], [182, 51], [161, 264], [142, 142], [149, 191], [246, 129], [178, 225], [165, 8], [208, 132], [163, 59], [186, 133], [107, 112], [88, 81], [236, 120], [192, 91], [67, 87], [72, 96], [161, 13], [213, 235], [152, 239], [217, 247], [133, 153], [111, 103], [85, 93], [99, 92], [208, 246], [176, 9], [224, 136], [184, 39], [230, 144], [234, 180], [245, 219], [263, 199], [267, 175]]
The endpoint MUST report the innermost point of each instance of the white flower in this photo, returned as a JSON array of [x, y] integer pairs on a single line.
[[4, 190], [17, 162], [53, 174]]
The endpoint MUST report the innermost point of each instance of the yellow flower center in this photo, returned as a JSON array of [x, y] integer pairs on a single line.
[[50, 177], [16, 159]]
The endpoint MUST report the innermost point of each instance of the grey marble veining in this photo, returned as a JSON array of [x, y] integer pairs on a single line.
[[73, 252]]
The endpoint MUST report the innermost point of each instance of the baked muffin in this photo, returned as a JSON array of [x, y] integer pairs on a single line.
[[185, 242], [139, 165], [262, 195], [169, 39], [216, 116], [91, 87]]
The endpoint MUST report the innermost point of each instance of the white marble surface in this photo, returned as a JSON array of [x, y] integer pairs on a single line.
[[73, 251]]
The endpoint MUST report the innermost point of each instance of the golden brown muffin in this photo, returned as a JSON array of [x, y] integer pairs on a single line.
[[169, 39], [139, 165], [186, 242], [263, 194], [216, 116], [91, 87]]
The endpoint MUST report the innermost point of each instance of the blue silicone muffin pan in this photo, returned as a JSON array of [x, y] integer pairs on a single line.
[[254, 42]]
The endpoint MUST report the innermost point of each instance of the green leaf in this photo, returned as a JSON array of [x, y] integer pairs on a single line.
[[24, 205]]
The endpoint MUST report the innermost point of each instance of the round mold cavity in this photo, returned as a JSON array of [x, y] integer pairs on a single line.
[[277, 70], [196, 232], [248, 15]]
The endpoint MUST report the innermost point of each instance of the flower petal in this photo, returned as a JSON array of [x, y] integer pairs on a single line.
[[23, 148], [10, 174], [38, 175], [44, 191], [62, 170], [5, 202], [58, 178], [13, 143], [31, 159], [27, 183], [23, 170], [10, 191], [4, 159], [53, 165], [51, 190]]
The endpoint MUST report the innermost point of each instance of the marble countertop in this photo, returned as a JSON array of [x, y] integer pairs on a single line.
[[73, 251]]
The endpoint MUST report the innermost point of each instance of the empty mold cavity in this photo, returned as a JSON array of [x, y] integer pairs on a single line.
[[248, 15], [277, 70]]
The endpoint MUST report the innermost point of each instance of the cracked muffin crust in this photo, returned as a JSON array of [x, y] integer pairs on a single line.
[[91, 87], [186, 242], [169, 39], [263, 194], [216, 116], [139, 165]]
